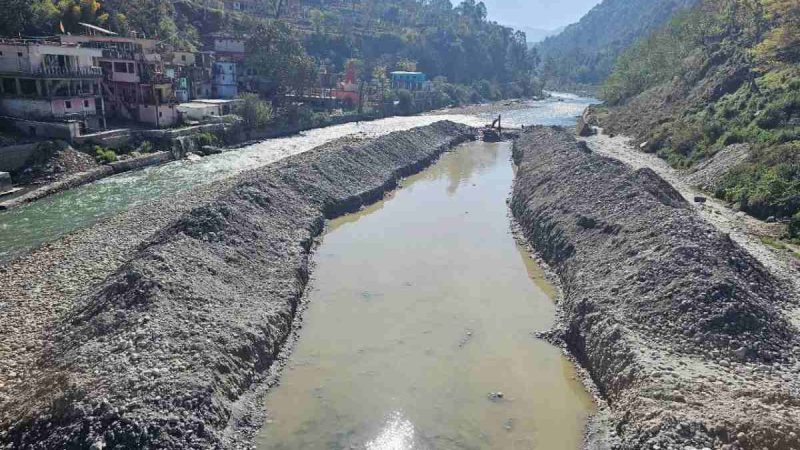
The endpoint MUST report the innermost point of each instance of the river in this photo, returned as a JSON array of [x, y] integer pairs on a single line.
[[25, 228], [419, 329]]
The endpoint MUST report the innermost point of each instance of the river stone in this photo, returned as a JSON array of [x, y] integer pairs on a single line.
[[228, 275], [654, 278]]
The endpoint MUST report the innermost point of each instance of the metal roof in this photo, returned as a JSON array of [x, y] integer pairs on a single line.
[[96, 28]]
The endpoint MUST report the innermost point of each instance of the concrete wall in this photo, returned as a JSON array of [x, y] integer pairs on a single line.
[[123, 77], [5, 181], [112, 138], [229, 45], [13, 157], [196, 111], [225, 91], [167, 115], [183, 58], [24, 107], [57, 130], [33, 56], [47, 109]]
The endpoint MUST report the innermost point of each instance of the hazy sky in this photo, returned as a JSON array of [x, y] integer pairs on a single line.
[[545, 14]]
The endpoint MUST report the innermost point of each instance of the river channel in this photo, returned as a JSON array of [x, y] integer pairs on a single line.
[[25, 228], [419, 332]]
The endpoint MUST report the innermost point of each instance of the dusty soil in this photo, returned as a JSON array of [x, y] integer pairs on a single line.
[[688, 337], [154, 342]]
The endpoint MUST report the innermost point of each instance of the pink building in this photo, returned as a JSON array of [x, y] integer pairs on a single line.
[[135, 85], [50, 81]]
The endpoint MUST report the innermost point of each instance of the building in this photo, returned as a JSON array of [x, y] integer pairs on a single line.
[[228, 47], [413, 81], [348, 90], [224, 82], [50, 89], [205, 108], [135, 85]]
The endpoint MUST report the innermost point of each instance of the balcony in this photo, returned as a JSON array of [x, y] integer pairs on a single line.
[[57, 72]]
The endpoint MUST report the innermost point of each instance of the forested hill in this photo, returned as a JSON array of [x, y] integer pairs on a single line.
[[455, 44], [720, 85], [585, 52]]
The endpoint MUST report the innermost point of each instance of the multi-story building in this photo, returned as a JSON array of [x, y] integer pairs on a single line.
[[135, 85], [50, 88], [224, 82]]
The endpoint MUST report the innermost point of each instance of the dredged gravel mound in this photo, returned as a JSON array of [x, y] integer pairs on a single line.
[[685, 335], [158, 355]]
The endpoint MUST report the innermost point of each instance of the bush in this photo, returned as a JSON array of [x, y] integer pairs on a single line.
[[205, 138], [405, 101], [145, 147], [104, 155], [255, 112], [794, 226]]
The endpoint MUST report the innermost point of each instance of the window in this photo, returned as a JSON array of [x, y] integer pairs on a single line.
[[1, 53], [183, 58], [19, 54], [120, 67], [131, 68], [68, 104], [160, 114], [86, 103]]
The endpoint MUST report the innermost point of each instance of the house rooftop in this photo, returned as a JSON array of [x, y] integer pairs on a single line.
[[214, 101], [97, 29]]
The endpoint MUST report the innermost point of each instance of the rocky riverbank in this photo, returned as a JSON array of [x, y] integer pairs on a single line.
[[688, 338], [158, 352]]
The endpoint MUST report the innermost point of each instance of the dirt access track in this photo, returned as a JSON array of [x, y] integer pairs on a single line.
[[686, 336], [161, 352]]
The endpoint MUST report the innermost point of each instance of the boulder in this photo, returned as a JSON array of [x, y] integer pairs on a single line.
[[584, 129]]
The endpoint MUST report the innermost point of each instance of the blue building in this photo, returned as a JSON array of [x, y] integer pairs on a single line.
[[224, 82], [412, 81]]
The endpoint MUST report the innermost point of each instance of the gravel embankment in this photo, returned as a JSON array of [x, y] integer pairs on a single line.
[[684, 333], [158, 354]]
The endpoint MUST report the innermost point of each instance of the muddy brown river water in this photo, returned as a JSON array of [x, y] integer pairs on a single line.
[[421, 307]]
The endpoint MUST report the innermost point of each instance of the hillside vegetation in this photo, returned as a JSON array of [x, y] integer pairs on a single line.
[[469, 57], [726, 73], [585, 52]]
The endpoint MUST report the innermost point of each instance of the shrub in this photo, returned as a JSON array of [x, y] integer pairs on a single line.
[[145, 147], [405, 101], [104, 155], [255, 112], [794, 226], [205, 138]]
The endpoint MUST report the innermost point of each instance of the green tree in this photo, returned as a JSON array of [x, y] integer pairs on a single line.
[[278, 57], [255, 112], [782, 42]]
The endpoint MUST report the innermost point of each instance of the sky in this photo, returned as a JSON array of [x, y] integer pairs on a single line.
[[541, 14]]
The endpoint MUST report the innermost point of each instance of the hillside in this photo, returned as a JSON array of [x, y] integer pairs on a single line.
[[725, 77], [471, 57], [585, 52]]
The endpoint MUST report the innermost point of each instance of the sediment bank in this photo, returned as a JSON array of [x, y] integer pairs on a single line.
[[158, 354], [687, 337]]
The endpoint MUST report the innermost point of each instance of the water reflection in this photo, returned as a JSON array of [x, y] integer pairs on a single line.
[[397, 434], [419, 308]]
